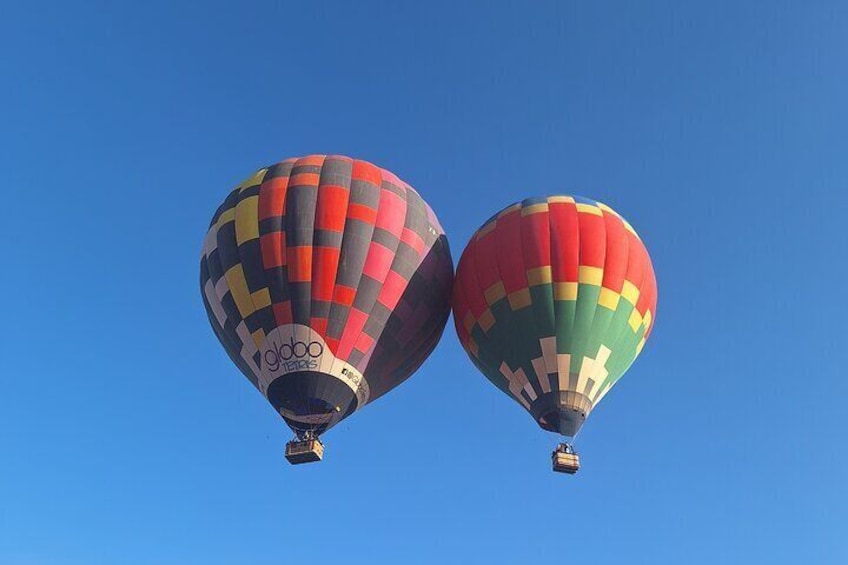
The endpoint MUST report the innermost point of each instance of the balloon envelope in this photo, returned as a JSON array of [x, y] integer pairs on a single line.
[[327, 280], [553, 300]]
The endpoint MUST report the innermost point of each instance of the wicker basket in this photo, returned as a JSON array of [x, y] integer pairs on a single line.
[[307, 451]]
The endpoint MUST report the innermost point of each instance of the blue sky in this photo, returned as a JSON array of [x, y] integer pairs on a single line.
[[717, 129]]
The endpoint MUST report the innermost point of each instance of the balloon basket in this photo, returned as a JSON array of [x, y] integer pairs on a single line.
[[306, 451], [565, 460]]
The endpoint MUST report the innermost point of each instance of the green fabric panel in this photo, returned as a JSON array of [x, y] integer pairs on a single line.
[[598, 334], [525, 338], [617, 335], [545, 316], [623, 355], [626, 353], [620, 341], [581, 327], [587, 303], [494, 346], [489, 360], [543, 309], [566, 313], [502, 333], [509, 340]]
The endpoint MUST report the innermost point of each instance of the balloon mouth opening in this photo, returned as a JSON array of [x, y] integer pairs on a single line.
[[565, 421], [310, 401], [563, 412]]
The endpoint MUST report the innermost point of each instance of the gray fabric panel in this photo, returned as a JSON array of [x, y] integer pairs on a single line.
[[366, 293], [336, 171], [392, 187], [320, 309], [272, 224], [355, 243], [355, 357], [406, 261], [301, 300], [251, 264], [416, 215], [362, 192], [278, 170], [300, 209], [278, 284], [327, 238], [337, 320], [385, 238], [377, 320]]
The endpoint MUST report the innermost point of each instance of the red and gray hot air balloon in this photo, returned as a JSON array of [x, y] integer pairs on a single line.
[[554, 298], [328, 281]]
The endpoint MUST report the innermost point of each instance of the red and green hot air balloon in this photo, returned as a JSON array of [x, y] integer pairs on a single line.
[[554, 298], [328, 281]]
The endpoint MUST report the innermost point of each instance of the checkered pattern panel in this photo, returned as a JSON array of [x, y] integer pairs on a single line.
[[554, 294], [336, 244]]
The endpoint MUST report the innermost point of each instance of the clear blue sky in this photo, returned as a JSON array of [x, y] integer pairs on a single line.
[[717, 128]]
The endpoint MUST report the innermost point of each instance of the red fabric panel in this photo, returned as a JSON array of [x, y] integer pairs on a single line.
[[272, 198], [565, 241], [510, 255], [617, 252]]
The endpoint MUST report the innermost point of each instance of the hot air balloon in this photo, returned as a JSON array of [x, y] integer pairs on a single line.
[[328, 281], [554, 298]]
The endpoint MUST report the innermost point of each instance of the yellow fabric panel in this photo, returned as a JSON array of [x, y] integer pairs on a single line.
[[589, 209], [247, 219], [607, 209], [254, 180], [534, 209], [542, 376], [539, 275], [258, 337], [488, 228], [594, 370], [560, 200], [563, 361], [590, 275], [640, 346], [548, 346], [629, 292], [520, 299], [565, 291], [494, 293], [468, 322], [509, 210], [487, 320], [608, 298], [647, 319], [261, 299], [630, 228], [635, 320], [226, 216], [525, 383], [605, 387], [238, 287]]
